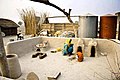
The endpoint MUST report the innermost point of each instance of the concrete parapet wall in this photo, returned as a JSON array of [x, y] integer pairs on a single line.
[[103, 45], [114, 56], [28, 45], [22, 47]]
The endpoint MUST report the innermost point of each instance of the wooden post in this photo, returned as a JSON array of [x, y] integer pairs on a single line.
[[119, 31], [3, 60], [74, 29], [63, 27]]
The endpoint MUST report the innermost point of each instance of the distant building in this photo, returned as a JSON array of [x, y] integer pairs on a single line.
[[8, 27]]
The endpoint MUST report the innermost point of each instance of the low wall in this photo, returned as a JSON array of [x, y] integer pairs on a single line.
[[103, 45], [114, 56], [23, 47]]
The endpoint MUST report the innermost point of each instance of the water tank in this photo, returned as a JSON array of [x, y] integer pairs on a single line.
[[108, 25], [88, 26]]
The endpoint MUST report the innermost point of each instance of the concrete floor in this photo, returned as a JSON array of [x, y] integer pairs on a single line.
[[89, 69]]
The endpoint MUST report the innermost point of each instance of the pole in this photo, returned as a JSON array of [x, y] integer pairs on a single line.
[[119, 31]]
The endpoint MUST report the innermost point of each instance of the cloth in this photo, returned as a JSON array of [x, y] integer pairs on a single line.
[[80, 56], [67, 49]]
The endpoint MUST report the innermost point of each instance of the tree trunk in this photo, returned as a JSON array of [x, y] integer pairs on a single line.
[[3, 60]]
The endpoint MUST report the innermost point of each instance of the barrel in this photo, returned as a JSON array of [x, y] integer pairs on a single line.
[[88, 26], [108, 25]]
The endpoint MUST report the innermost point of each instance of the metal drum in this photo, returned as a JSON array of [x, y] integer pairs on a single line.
[[88, 26], [108, 25]]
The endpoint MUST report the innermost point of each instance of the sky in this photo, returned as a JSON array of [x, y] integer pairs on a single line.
[[9, 8]]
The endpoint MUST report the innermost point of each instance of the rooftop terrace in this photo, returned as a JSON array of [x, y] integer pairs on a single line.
[[92, 68]]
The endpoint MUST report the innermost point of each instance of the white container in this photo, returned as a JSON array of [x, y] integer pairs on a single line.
[[14, 66]]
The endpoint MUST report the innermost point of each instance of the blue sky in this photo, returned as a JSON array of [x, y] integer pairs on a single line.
[[8, 8]]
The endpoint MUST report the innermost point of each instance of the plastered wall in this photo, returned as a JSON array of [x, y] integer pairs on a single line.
[[28, 45]]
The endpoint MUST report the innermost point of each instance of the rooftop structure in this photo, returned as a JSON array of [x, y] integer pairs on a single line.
[[94, 68]]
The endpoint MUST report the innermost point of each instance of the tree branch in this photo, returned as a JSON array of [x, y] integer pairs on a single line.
[[55, 6]]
